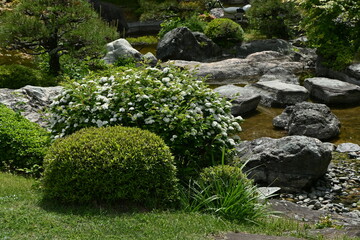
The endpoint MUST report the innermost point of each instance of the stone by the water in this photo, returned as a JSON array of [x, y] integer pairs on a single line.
[[332, 91], [243, 100]]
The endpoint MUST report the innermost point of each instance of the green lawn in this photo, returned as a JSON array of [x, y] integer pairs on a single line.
[[24, 216]]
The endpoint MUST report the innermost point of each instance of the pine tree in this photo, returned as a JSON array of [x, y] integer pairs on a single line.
[[55, 27]]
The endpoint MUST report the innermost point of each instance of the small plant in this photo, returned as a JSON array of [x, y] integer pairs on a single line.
[[111, 164], [194, 121], [326, 222], [23, 144], [225, 191], [224, 32]]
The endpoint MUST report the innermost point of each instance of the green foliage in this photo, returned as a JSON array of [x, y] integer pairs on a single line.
[[143, 40], [125, 62], [194, 121], [17, 76], [23, 144], [55, 28], [195, 23], [157, 10], [224, 32], [274, 18], [333, 27], [225, 191], [109, 165]]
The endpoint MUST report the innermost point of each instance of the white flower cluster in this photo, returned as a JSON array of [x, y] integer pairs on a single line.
[[172, 103]]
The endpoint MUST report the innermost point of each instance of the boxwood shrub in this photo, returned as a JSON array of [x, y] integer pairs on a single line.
[[16, 76], [224, 32], [110, 164], [23, 144]]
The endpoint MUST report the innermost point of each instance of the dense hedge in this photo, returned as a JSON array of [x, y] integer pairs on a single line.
[[111, 164], [23, 144]]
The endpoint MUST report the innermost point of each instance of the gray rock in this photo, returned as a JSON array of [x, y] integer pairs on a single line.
[[150, 59], [291, 163], [244, 71], [243, 100], [351, 74], [120, 48], [31, 101], [332, 91], [277, 45], [348, 147], [182, 44], [309, 119], [279, 94]]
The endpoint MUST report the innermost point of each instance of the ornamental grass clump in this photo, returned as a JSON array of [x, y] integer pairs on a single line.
[[224, 191], [194, 121], [111, 165]]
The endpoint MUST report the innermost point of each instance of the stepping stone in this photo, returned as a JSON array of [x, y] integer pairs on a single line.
[[332, 91], [279, 94], [243, 100]]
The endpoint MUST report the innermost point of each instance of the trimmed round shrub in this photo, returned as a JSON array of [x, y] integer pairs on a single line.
[[225, 191], [224, 32], [110, 164], [17, 76], [23, 144], [194, 121]]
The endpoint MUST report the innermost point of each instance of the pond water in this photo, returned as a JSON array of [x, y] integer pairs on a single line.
[[259, 124]]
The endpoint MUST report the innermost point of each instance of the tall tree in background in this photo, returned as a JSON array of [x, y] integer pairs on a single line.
[[55, 27]]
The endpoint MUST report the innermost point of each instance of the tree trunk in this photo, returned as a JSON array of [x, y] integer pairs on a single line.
[[54, 64]]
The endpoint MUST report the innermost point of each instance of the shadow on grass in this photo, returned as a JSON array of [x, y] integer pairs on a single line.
[[93, 209]]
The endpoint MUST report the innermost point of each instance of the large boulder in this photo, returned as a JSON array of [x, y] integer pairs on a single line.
[[30, 101], [332, 91], [279, 94], [309, 119], [182, 44], [244, 71], [292, 163], [277, 45], [121, 48], [243, 100]]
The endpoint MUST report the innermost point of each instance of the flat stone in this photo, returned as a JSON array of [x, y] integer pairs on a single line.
[[243, 100], [279, 94], [332, 91], [348, 147]]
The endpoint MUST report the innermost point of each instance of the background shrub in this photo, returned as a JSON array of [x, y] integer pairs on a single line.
[[275, 18], [225, 191], [23, 144], [194, 121], [111, 164], [224, 32], [195, 23], [333, 27], [17, 76]]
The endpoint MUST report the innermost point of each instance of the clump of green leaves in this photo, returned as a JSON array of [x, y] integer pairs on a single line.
[[274, 18], [16, 76], [224, 32], [194, 121], [195, 23], [23, 144], [333, 27], [111, 164], [225, 191]]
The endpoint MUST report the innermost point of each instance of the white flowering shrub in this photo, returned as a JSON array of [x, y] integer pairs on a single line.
[[194, 121]]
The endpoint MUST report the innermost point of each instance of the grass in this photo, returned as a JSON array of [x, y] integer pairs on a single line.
[[24, 216]]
